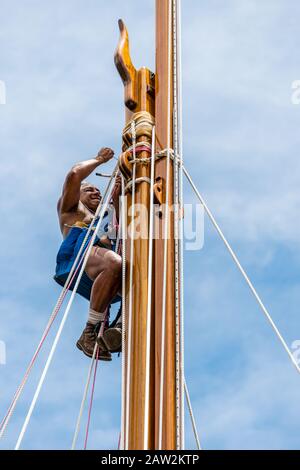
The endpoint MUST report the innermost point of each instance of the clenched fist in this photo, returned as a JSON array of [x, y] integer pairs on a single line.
[[117, 187], [105, 154]]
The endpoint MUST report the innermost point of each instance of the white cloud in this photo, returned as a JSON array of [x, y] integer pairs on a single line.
[[241, 138]]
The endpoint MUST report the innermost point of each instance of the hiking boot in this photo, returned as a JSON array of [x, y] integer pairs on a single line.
[[87, 341], [112, 338]]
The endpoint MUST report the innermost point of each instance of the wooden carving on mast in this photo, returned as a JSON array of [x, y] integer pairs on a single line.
[[152, 416]]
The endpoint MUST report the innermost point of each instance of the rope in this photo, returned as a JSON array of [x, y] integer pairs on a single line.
[[181, 247], [133, 133], [149, 305], [163, 320], [187, 396], [87, 384], [69, 280], [123, 227], [66, 313], [245, 276], [143, 127], [91, 399], [141, 146], [142, 179], [8, 415], [177, 200]]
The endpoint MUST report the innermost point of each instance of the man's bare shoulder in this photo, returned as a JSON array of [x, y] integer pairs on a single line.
[[76, 214]]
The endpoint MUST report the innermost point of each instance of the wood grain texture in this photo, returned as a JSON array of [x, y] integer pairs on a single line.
[[138, 96], [143, 94], [164, 76]]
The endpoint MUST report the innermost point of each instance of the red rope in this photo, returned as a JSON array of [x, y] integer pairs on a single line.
[[44, 336], [94, 382], [91, 401]]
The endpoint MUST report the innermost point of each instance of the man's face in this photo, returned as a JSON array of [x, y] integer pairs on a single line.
[[90, 196]]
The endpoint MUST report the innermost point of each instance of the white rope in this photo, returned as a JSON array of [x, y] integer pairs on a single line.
[[238, 264], [142, 179], [149, 299], [53, 314], [85, 393], [177, 111], [89, 376], [187, 396], [65, 316], [122, 440], [181, 247], [86, 388], [130, 286], [166, 233]]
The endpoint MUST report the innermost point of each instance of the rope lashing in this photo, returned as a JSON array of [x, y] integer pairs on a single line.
[[142, 179], [142, 146], [135, 154], [144, 122]]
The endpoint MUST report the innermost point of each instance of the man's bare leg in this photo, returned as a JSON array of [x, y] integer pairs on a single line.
[[104, 268]]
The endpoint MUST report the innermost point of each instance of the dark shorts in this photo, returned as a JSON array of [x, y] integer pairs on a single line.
[[66, 257], [85, 285]]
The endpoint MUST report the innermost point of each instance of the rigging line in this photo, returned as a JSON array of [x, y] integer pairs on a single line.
[[189, 404], [178, 293], [91, 399], [20, 388], [166, 232], [245, 276], [69, 280], [123, 228], [133, 131], [86, 388], [181, 248], [149, 296], [66, 313], [79, 418]]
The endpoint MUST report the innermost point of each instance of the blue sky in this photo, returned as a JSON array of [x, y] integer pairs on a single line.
[[241, 142]]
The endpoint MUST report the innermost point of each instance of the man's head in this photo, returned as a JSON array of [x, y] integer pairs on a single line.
[[90, 196]]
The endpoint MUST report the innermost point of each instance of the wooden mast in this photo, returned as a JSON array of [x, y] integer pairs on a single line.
[[143, 93], [164, 139], [139, 96]]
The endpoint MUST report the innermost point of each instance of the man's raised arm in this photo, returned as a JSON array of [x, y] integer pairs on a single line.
[[71, 189]]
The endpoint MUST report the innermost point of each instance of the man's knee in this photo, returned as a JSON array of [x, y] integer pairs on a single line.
[[113, 263]]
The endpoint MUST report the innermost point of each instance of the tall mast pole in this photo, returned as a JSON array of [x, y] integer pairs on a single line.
[[152, 413], [139, 107], [168, 417]]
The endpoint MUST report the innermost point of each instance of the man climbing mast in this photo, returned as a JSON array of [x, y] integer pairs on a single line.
[[101, 280]]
